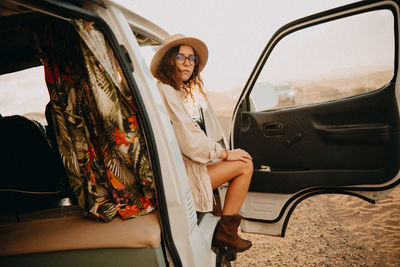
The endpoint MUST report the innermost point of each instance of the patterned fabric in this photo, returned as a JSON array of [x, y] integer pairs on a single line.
[[96, 125]]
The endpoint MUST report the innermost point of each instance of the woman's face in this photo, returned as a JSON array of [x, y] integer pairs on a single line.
[[185, 62]]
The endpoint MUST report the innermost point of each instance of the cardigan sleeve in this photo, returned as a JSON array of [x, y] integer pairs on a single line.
[[192, 141]]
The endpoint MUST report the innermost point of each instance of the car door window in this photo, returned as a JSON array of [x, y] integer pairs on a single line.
[[328, 61], [147, 44]]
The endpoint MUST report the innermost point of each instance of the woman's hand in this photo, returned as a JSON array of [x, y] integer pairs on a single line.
[[238, 154]]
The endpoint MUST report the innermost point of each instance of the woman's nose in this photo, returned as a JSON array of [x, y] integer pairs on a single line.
[[186, 62]]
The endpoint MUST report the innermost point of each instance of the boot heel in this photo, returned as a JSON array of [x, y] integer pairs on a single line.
[[226, 234]]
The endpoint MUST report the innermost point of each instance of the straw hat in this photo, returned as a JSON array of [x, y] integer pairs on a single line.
[[177, 40]]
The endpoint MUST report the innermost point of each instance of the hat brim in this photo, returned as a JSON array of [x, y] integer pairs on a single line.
[[199, 47]]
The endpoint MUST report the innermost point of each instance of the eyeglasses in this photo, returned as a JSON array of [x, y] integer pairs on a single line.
[[180, 59]]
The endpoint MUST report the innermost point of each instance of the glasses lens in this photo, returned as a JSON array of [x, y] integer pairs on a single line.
[[180, 59], [193, 60]]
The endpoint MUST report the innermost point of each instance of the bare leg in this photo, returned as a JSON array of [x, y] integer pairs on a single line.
[[239, 173]]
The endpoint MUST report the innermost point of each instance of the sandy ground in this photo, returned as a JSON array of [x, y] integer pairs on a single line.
[[332, 230]]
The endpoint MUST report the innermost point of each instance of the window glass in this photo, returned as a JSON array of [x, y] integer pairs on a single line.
[[148, 46], [148, 52], [24, 93], [337, 59]]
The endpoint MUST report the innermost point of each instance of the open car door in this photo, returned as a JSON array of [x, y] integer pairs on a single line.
[[335, 127]]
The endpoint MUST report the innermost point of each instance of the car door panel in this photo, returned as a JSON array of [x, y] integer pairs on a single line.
[[322, 146], [320, 142], [348, 145]]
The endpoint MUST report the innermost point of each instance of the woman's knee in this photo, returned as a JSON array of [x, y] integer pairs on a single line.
[[248, 168]]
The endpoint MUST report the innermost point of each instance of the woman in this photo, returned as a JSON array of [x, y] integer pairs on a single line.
[[177, 66]]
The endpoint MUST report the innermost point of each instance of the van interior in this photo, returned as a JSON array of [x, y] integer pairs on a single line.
[[41, 220]]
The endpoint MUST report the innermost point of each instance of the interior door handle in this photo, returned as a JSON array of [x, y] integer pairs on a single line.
[[273, 128]]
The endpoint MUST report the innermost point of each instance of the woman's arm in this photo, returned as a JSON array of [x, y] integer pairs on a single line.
[[192, 141]]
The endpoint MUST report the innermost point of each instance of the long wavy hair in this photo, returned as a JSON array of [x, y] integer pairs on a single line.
[[168, 73]]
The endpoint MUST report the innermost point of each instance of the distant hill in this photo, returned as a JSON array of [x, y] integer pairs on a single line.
[[224, 102]]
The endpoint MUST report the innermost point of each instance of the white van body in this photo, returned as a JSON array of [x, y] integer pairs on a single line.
[[180, 238]]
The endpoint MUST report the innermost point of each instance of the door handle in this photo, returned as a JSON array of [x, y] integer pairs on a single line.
[[273, 128]]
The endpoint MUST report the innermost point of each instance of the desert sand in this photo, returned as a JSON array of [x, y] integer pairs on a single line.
[[332, 230]]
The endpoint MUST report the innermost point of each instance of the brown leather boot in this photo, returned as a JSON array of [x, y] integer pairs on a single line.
[[226, 234]]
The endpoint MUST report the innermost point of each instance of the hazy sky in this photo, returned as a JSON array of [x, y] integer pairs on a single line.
[[235, 32]]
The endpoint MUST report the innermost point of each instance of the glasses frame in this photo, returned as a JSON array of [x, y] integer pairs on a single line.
[[189, 59]]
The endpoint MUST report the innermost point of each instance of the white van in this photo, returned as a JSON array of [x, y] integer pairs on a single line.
[[340, 134]]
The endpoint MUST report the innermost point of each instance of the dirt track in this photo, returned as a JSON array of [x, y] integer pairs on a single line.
[[333, 230]]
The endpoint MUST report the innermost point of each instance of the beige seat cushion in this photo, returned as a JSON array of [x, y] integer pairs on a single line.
[[77, 232]]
